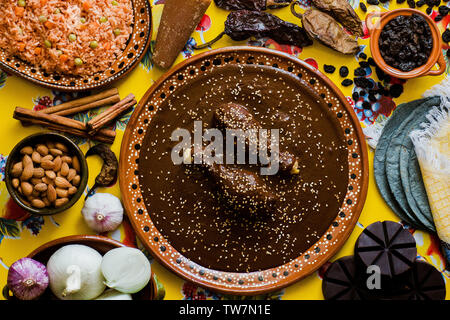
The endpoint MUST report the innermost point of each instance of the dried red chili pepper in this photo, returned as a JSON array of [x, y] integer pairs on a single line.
[[243, 24], [258, 5]]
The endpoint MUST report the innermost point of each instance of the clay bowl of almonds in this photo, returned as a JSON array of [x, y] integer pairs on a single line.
[[46, 173]]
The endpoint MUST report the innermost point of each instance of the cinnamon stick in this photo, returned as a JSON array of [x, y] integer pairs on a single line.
[[96, 123], [86, 103], [63, 124]]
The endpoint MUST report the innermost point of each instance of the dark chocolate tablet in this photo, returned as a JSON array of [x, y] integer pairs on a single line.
[[341, 281], [388, 245], [422, 282]]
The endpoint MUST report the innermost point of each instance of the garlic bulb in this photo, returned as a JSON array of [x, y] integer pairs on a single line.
[[112, 294], [126, 269], [103, 212], [75, 274]]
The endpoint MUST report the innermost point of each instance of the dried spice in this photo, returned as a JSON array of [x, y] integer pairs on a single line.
[[347, 82], [243, 24], [363, 7], [406, 42], [443, 10], [343, 12], [373, 2], [108, 173], [446, 36], [322, 27], [251, 4]]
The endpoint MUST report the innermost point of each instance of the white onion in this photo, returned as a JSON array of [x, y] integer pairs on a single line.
[[75, 274], [126, 269]]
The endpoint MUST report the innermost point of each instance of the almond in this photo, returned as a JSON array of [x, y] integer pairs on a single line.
[[27, 172], [57, 162], [26, 161], [76, 164], [42, 149], [46, 201], [47, 157], [66, 159], [50, 174], [27, 188], [72, 173], [62, 193], [48, 181], [16, 182], [36, 157], [61, 201], [56, 152], [64, 169], [38, 173], [76, 180], [51, 193], [35, 181], [40, 187], [17, 169], [37, 203], [62, 147], [26, 150], [47, 164], [72, 190]]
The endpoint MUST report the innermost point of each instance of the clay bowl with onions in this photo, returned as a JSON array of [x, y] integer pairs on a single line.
[[15, 157], [153, 290]]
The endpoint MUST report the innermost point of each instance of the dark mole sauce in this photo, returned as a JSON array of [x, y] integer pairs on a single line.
[[183, 201]]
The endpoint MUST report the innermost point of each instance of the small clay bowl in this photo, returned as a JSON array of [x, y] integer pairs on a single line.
[[436, 55], [102, 244], [32, 140]]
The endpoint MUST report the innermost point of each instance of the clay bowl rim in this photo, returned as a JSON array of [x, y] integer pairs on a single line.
[[436, 55], [342, 236], [116, 76], [85, 239], [29, 140]]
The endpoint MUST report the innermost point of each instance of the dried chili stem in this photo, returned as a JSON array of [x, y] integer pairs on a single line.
[[209, 43]]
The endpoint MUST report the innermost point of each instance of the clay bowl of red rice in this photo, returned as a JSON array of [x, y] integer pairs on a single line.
[[73, 45]]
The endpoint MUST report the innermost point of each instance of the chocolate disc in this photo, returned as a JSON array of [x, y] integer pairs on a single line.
[[422, 282], [341, 281], [389, 246]]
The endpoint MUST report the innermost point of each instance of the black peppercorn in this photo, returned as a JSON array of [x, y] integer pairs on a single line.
[[347, 82], [329, 68], [343, 71]]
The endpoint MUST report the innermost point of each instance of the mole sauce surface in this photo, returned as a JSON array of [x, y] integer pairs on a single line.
[[182, 200]]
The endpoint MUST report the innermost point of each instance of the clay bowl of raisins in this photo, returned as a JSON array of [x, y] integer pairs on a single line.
[[405, 43], [46, 173]]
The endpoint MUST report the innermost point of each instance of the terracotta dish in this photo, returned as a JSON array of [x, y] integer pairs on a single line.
[[99, 243], [436, 55], [135, 50], [191, 232]]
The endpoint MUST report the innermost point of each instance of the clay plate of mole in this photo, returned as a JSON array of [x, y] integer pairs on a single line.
[[136, 47], [176, 209]]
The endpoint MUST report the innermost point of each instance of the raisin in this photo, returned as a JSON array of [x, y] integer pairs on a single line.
[[438, 18], [429, 10], [364, 64], [360, 72], [371, 62], [443, 10], [355, 96], [343, 71], [411, 3], [362, 82], [446, 35], [329, 68], [372, 97], [362, 55], [373, 2], [447, 53], [363, 7], [366, 105], [347, 82], [400, 1], [420, 3]]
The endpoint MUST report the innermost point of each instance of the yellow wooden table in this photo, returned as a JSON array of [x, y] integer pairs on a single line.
[[20, 233]]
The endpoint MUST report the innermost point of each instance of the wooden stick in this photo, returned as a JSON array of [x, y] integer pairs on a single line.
[[110, 114], [61, 124], [97, 100]]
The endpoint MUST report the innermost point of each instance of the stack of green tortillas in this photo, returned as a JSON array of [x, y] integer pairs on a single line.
[[412, 164]]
